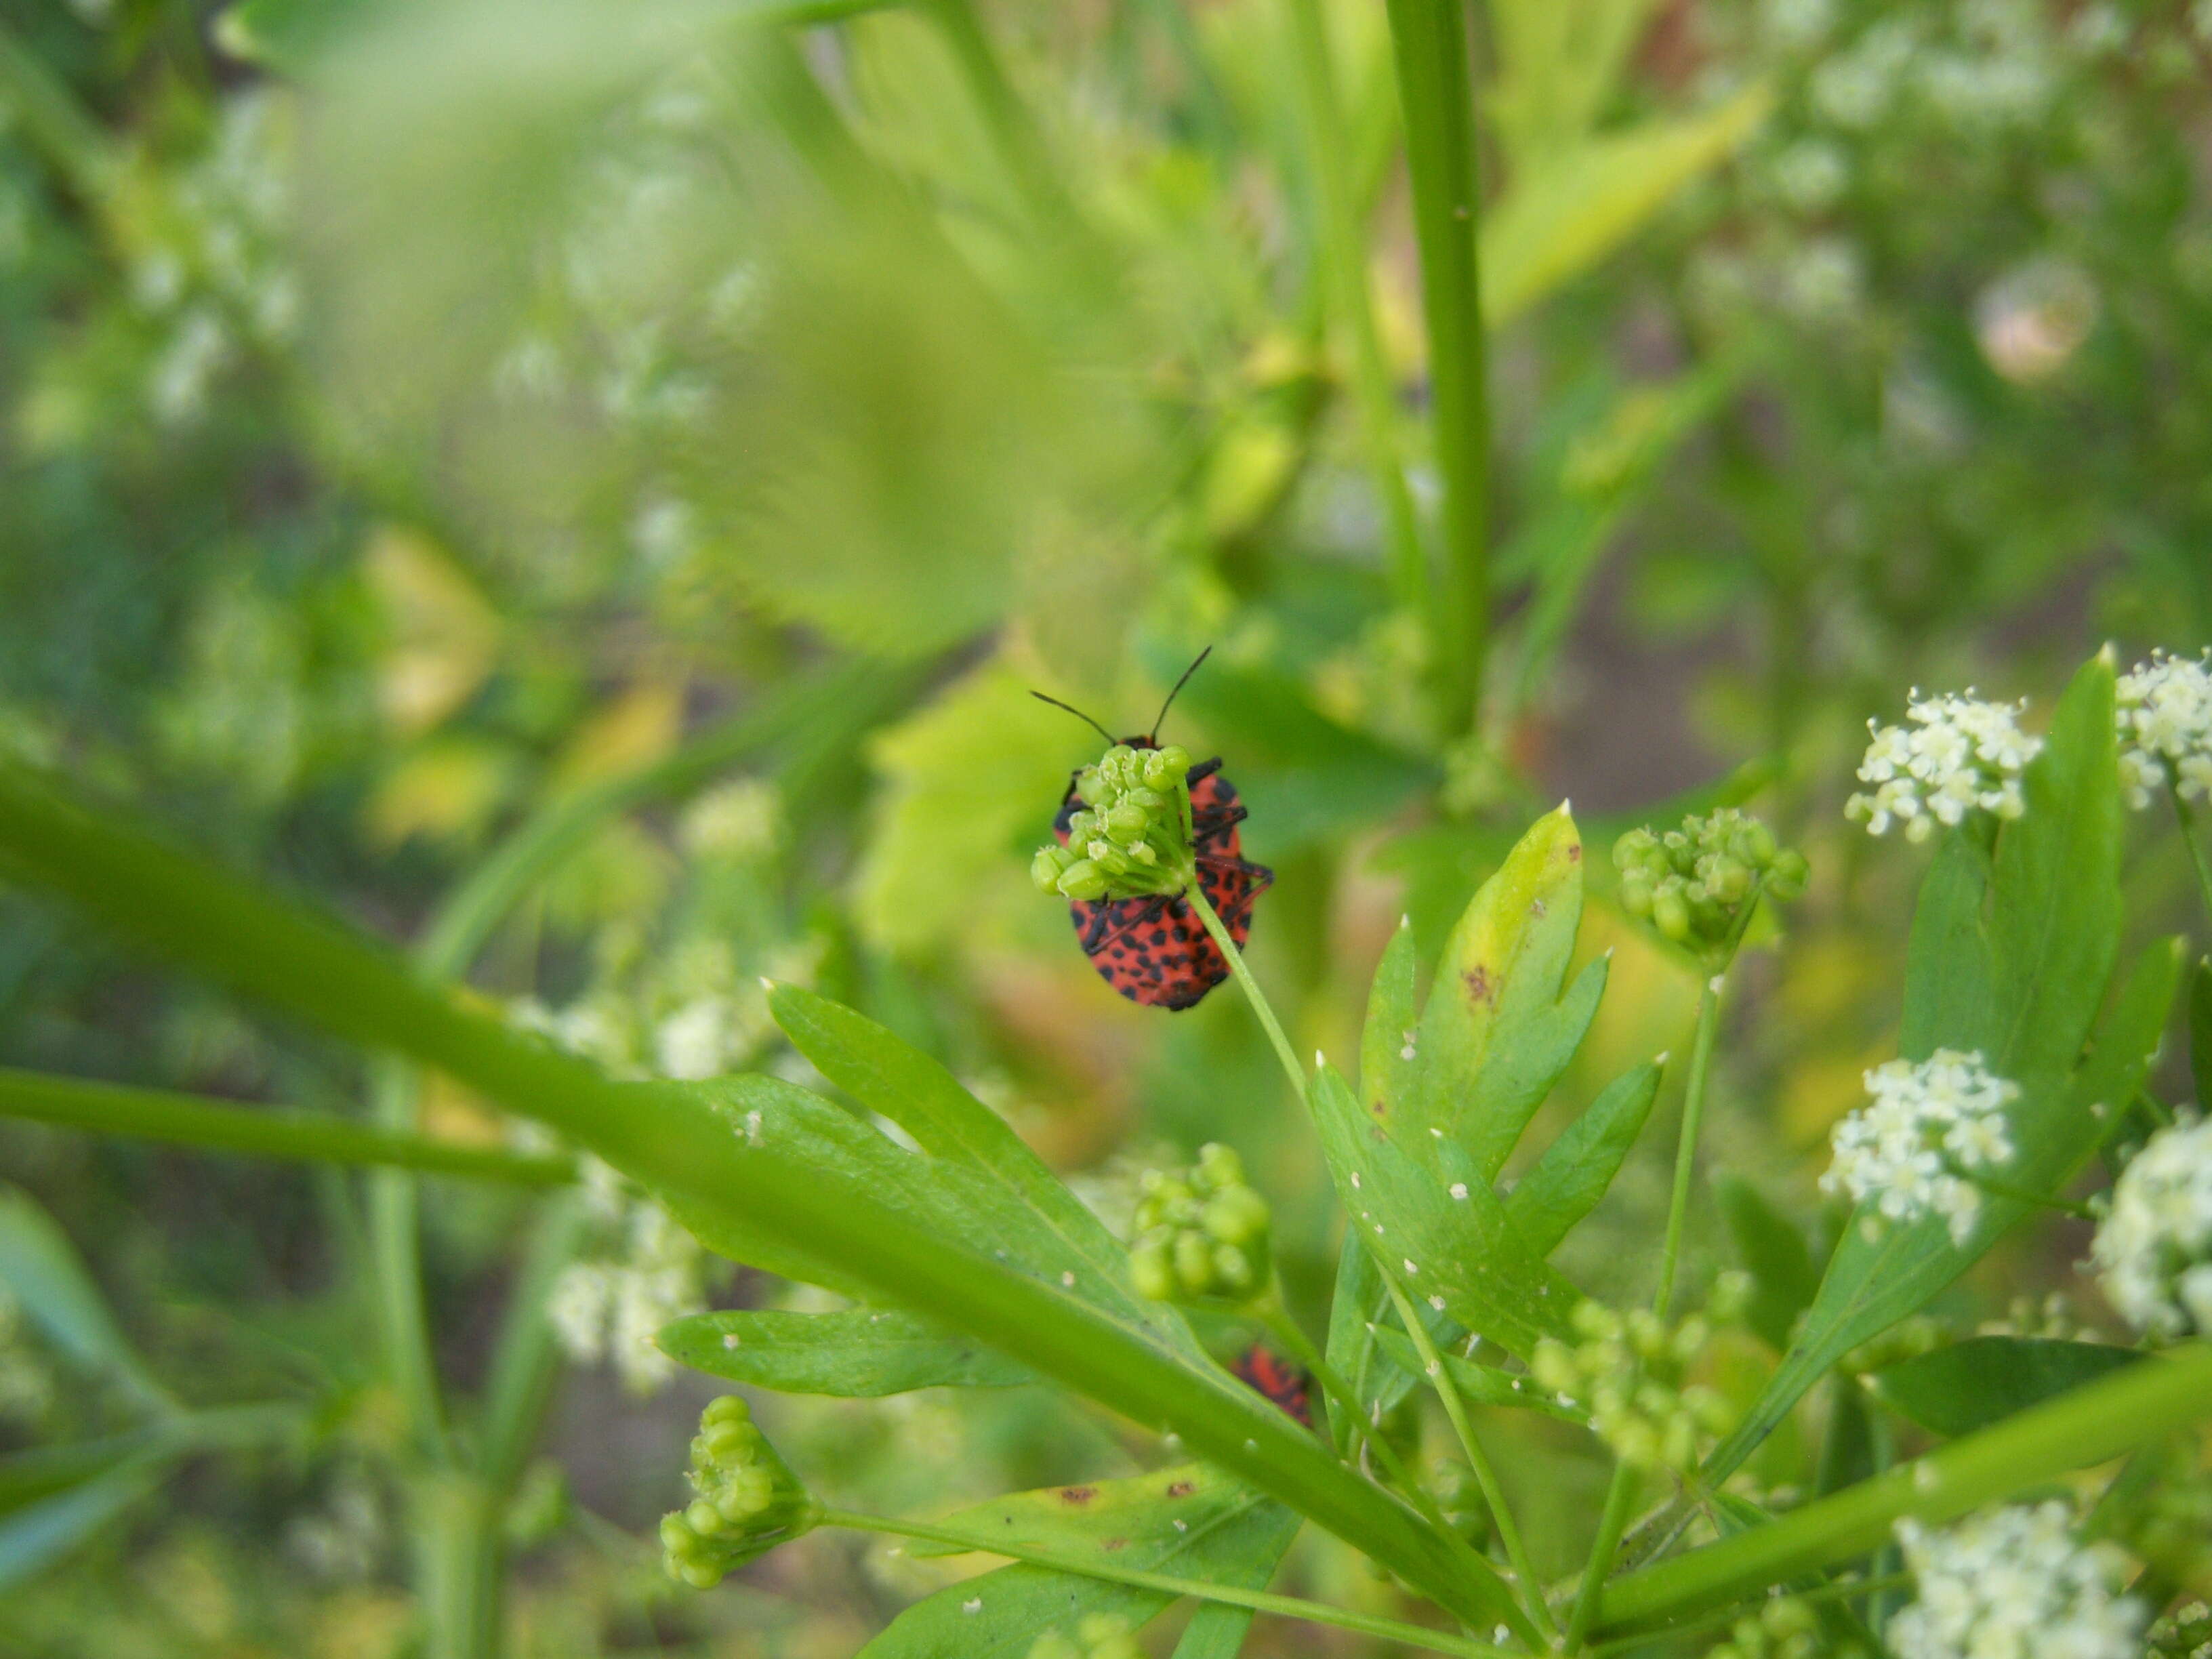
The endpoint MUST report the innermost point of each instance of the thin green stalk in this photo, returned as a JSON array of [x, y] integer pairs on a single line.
[[2005, 1189], [1612, 1521], [1428, 39], [1839, 1589], [1686, 1153], [2084, 1426], [1344, 265], [1493, 1494], [2187, 816], [1250, 986], [1287, 1330], [1285, 1606], [670, 1138], [260, 1132], [59, 127]]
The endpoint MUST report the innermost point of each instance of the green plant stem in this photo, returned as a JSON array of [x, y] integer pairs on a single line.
[[260, 1132], [2186, 817], [1344, 263], [1250, 986], [1685, 1153], [1428, 41], [670, 1138], [1287, 1607], [1494, 1495], [1277, 1317], [2086, 1425], [1838, 1590], [58, 126], [1612, 1521]]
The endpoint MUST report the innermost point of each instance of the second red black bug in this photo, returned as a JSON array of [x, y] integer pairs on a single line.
[[1152, 948]]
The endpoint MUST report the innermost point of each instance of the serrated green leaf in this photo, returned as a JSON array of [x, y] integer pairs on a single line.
[[1478, 1384], [1386, 1055], [1972, 1384], [1464, 1254], [1561, 218], [1496, 1033], [1566, 1183], [1042, 1224], [862, 1354], [1230, 1533], [40, 1267], [2019, 977], [1783, 1278], [2200, 1033]]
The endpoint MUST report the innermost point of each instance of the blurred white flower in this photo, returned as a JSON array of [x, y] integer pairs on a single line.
[[2014, 1583], [699, 1040], [611, 1308], [2154, 1250], [1912, 1150], [1955, 754], [1855, 89], [2031, 321], [743, 819], [2166, 728], [1824, 281], [1810, 174]]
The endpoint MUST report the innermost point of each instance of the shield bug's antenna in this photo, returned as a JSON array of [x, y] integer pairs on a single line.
[[1172, 695], [1078, 714]]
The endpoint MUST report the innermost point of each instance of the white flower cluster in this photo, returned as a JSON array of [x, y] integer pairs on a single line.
[[1955, 754], [2166, 728], [611, 1308], [2014, 1583], [1927, 1123], [2154, 1249]]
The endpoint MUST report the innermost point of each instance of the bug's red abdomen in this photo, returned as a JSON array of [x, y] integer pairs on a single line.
[[1267, 1374], [1156, 950]]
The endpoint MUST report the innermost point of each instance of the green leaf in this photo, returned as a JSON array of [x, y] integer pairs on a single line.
[[1464, 1254], [1478, 1384], [862, 1354], [1036, 1218], [40, 1267], [1557, 63], [685, 1144], [1230, 1533], [1774, 1252], [969, 786], [1559, 219], [39, 1472], [32, 1538], [1972, 1384], [1496, 1034], [2200, 1033], [1566, 1183], [2019, 977]]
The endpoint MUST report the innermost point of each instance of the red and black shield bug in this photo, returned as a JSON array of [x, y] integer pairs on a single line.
[[1153, 948], [1267, 1374]]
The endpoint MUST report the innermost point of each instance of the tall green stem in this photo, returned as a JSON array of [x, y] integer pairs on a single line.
[[1493, 1494], [1287, 1607], [1612, 1521], [1343, 247], [1685, 1153], [1428, 39]]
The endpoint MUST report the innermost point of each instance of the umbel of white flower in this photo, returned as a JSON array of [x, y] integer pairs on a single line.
[[2154, 1249], [2014, 1583], [1955, 754], [1913, 1148], [2166, 728]]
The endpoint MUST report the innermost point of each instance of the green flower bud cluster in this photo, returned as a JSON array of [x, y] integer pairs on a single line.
[[1695, 883], [1131, 836], [748, 1500], [1626, 1372], [1100, 1636], [1784, 1627], [1200, 1232]]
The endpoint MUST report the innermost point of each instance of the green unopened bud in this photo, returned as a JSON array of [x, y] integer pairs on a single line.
[[748, 1500], [1083, 879], [1200, 1232], [1695, 885], [1131, 838], [1049, 865]]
